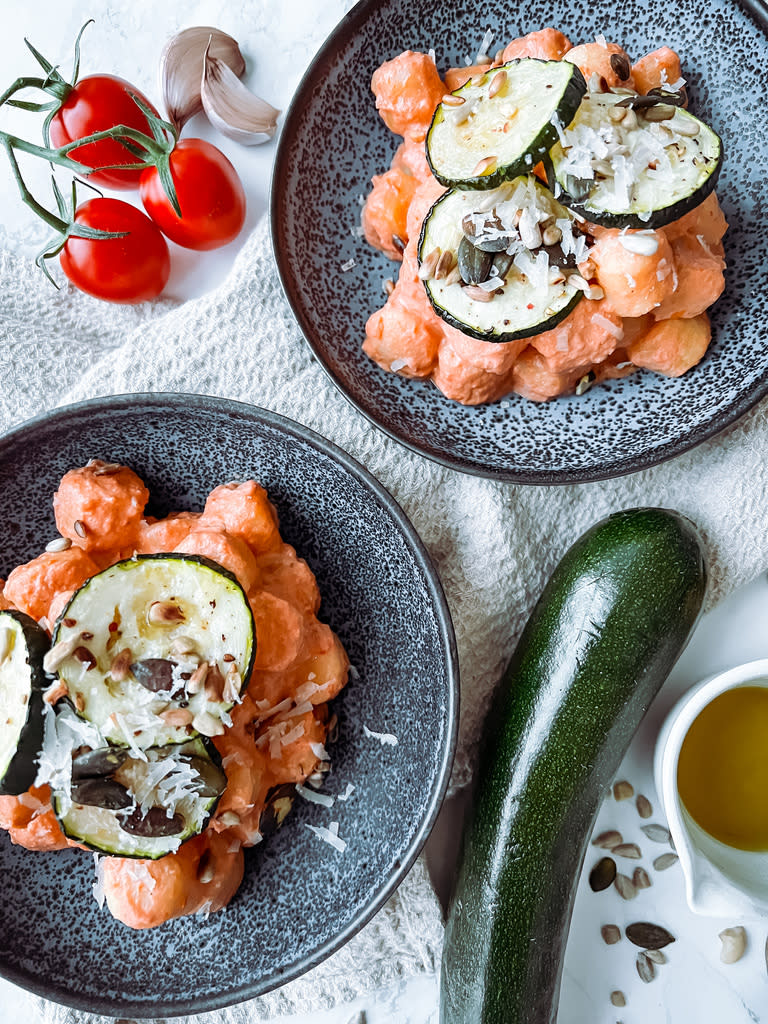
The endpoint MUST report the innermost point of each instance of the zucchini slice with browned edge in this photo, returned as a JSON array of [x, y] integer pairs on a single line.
[[498, 265], [629, 161], [23, 645], [502, 122], [600, 642], [155, 649], [128, 806]]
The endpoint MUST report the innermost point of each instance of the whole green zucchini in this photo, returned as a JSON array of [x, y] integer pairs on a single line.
[[602, 639]]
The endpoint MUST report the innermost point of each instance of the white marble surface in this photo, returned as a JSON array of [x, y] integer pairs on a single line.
[[278, 41]]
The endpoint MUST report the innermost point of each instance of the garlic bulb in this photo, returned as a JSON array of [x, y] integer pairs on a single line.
[[231, 108], [181, 64]]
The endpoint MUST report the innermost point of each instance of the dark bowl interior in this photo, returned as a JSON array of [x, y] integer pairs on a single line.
[[333, 141], [300, 899]]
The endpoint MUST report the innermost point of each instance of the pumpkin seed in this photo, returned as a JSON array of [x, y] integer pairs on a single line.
[[734, 946], [625, 887], [621, 66], [602, 874], [96, 764], [474, 263], [656, 833], [629, 850], [648, 936], [666, 860], [645, 968], [611, 934], [656, 955], [618, 998], [640, 879], [607, 840], [623, 790]]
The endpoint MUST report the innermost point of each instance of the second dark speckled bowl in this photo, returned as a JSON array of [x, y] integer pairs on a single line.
[[333, 141], [300, 899]]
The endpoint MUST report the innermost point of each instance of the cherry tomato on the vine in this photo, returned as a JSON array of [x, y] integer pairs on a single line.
[[97, 103], [133, 268], [210, 195]]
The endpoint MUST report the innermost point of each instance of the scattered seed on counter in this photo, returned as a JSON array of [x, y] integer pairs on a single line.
[[644, 806], [648, 935], [618, 998], [666, 860], [734, 944], [623, 790], [629, 850], [645, 967], [602, 874], [611, 934], [641, 879], [625, 887], [656, 955], [607, 840], [656, 833]]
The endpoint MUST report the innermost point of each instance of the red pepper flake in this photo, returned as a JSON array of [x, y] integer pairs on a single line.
[[113, 627], [530, 305]]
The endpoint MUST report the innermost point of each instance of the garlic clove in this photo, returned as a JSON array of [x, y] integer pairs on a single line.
[[181, 64], [232, 108]]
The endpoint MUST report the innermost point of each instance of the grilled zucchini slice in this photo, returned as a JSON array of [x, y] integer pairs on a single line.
[[500, 124], [23, 645], [155, 649], [506, 283], [128, 806], [634, 161]]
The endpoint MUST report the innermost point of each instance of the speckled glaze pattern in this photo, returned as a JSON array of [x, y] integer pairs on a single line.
[[300, 898], [333, 141]]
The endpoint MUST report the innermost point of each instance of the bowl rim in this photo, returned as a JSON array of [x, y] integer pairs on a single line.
[[757, 10], [188, 403]]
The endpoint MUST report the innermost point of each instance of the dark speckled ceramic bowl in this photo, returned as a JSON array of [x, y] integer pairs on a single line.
[[300, 898], [333, 142]]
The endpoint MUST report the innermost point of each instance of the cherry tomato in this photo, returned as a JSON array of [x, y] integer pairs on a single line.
[[210, 195], [97, 103], [133, 268]]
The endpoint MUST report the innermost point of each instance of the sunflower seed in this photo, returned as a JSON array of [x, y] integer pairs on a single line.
[[607, 840], [79, 528], [640, 879], [666, 860], [625, 887], [644, 806], [656, 833], [685, 127], [618, 998], [629, 850], [164, 613], [645, 968], [59, 652], [734, 946], [659, 112], [602, 874], [648, 936], [656, 956], [623, 790], [449, 100], [621, 66], [388, 285], [429, 265], [617, 114], [611, 934], [398, 243]]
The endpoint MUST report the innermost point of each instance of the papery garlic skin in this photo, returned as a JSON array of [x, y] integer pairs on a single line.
[[182, 64], [232, 108]]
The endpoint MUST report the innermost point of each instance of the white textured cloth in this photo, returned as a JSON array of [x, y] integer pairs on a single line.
[[494, 544]]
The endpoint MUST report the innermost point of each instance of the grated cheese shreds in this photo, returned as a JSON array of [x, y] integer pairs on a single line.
[[484, 48], [348, 265], [319, 751], [98, 885], [312, 797], [329, 836], [347, 792], [291, 737], [385, 738]]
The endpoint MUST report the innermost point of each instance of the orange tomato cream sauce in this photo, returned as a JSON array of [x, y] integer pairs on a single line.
[[648, 307], [279, 723]]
